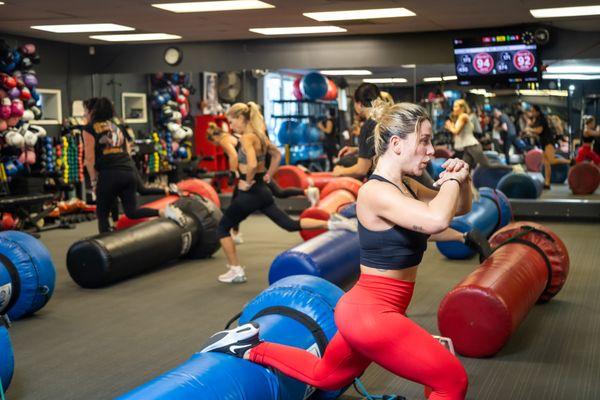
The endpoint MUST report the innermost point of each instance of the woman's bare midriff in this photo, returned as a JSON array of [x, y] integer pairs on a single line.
[[406, 274]]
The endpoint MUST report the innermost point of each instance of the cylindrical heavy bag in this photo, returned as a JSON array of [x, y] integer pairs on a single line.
[[334, 202], [193, 186], [297, 311], [520, 186], [350, 184], [488, 177], [584, 178], [27, 274], [558, 172], [482, 312], [534, 159], [111, 257], [321, 179], [334, 256], [484, 215], [291, 176], [7, 362], [503, 204]]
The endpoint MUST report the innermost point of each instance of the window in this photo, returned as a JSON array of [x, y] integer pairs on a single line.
[[51, 105]]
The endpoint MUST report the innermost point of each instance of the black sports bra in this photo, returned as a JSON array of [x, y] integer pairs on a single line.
[[393, 248]]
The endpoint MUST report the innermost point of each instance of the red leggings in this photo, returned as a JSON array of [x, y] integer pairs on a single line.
[[587, 153], [372, 327]]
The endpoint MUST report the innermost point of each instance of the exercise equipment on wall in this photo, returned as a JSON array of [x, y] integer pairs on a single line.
[[108, 258], [530, 264], [295, 311]]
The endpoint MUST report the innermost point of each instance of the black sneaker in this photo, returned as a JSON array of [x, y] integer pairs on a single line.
[[547, 187], [478, 242], [234, 342]]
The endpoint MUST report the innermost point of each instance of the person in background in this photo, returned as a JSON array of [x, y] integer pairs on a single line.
[[109, 166], [591, 133], [331, 139], [538, 127], [508, 133]]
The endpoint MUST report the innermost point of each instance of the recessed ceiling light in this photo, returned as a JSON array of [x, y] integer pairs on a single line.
[[575, 77], [408, 66], [543, 92], [573, 69], [360, 14], [342, 72], [79, 28], [439, 78], [136, 37], [385, 80], [565, 12], [298, 30], [210, 6], [1, 3]]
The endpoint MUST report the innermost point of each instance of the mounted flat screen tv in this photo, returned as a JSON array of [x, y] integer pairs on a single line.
[[501, 60]]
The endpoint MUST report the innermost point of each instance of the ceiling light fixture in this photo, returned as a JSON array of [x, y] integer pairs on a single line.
[[136, 37], [212, 6], [342, 72], [360, 14], [80, 28], [298, 30], [439, 78], [573, 69], [385, 80], [558, 12], [575, 77]]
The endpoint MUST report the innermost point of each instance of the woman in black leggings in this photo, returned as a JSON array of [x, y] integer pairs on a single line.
[[110, 168], [254, 194]]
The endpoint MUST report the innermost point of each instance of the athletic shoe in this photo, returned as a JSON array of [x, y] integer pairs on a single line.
[[235, 274], [547, 187], [338, 222], [174, 189], [310, 181], [313, 195], [235, 342], [478, 242], [175, 214], [237, 238]]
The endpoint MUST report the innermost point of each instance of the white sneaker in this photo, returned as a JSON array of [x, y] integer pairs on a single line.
[[175, 214], [174, 189], [235, 342], [313, 195], [338, 222], [237, 239], [234, 275]]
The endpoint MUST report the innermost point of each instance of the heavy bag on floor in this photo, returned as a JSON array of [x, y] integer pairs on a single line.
[[334, 202], [558, 172], [7, 362], [521, 186], [584, 178], [27, 274], [488, 177], [296, 311], [334, 256], [188, 186], [292, 176], [487, 214], [529, 264], [111, 257]]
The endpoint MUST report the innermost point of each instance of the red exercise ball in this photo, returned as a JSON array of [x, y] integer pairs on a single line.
[[297, 92], [332, 90]]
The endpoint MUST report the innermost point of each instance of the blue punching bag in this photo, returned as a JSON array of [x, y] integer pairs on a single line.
[[521, 186], [313, 86], [7, 362], [334, 256], [488, 177], [296, 311], [27, 274]]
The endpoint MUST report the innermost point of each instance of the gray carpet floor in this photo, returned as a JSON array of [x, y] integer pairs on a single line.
[[98, 344]]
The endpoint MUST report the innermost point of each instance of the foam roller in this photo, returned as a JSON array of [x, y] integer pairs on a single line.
[[483, 311], [112, 257], [297, 311], [27, 275], [7, 362], [334, 256], [193, 186], [487, 214], [326, 206]]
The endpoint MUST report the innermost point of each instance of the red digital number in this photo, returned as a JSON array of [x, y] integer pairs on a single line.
[[524, 60], [483, 63]]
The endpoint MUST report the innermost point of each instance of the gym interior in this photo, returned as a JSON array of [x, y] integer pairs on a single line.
[[99, 300]]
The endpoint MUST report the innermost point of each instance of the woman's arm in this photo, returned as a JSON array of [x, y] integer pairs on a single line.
[[457, 127], [327, 128], [358, 170], [232, 156], [275, 159], [89, 143], [411, 213], [592, 132]]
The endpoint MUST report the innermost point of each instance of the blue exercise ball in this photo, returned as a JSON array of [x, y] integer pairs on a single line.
[[313, 86], [314, 134], [288, 132]]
